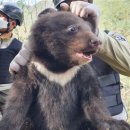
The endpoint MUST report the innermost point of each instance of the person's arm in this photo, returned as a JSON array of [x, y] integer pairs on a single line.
[[115, 51], [20, 59]]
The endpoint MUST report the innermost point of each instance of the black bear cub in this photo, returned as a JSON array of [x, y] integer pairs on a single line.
[[58, 90]]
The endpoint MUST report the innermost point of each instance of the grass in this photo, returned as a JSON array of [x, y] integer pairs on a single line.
[[125, 93]]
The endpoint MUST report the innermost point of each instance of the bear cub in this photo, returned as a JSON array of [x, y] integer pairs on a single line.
[[58, 90]]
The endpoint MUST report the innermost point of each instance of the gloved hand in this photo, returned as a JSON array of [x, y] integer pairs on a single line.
[[20, 59]]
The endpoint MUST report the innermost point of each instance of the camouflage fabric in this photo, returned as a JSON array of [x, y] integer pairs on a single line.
[[3, 95], [4, 89]]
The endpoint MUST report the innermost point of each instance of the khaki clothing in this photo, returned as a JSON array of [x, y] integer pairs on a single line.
[[3, 95], [6, 43], [4, 89], [115, 51]]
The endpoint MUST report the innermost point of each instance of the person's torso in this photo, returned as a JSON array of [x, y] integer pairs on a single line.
[[110, 85], [6, 56]]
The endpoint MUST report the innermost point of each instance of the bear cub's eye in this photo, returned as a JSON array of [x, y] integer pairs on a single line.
[[73, 28]]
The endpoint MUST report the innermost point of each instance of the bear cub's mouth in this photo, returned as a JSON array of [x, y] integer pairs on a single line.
[[87, 55]]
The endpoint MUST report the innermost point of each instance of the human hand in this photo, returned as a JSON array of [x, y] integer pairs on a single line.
[[83, 9]]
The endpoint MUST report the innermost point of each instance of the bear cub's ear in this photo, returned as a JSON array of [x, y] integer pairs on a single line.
[[46, 11]]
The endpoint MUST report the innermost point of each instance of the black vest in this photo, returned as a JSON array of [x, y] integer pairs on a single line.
[[6, 56], [110, 85]]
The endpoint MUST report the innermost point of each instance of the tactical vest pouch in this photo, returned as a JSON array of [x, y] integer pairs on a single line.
[[110, 87], [109, 79]]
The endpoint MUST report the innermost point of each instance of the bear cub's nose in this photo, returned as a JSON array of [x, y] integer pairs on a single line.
[[94, 42]]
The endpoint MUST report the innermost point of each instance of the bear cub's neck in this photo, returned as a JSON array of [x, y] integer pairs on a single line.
[[61, 78]]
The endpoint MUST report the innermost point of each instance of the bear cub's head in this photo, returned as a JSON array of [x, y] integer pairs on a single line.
[[62, 40]]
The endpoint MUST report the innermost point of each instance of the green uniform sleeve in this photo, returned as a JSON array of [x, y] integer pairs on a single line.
[[115, 50]]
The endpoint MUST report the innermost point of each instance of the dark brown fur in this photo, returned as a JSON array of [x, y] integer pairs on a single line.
[[62, 103]]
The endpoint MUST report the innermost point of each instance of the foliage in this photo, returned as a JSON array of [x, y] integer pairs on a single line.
[[125, 91], [115, 16], [30, 14]]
